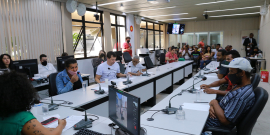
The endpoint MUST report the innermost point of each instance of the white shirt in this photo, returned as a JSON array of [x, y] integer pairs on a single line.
[[108, 72], [133, 69], [186, 56], [250, 39], [44, 71]]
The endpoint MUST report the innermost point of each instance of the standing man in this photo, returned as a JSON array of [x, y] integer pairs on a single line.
[[127, 46], [250, 42], [45, 68], [202, 43]]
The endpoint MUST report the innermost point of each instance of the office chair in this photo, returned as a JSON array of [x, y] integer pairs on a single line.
[[148, 62], [122, 68], [162, 59], [158, 54], [255, 80], [127, 57], [95, 71], [245, 125], [52, 84]]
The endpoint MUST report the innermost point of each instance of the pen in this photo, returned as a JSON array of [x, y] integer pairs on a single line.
[[66, 117]]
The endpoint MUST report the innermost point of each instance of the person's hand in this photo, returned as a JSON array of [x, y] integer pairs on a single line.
[[102, 82], [62, 122], [212, 113], [214, 101], [209, 91], [173, 59], [48, 76], [74, 78], [139, 73], [203, 86]]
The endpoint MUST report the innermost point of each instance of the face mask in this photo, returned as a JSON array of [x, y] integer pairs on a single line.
[[226, 63], [128, 41], [102, 55], [235, 79], [248, 48], [71, 72], [44, 63]]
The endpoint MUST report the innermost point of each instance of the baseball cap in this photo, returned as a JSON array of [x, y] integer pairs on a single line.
[[240, 63]]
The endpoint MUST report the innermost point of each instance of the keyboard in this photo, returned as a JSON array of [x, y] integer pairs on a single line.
[[85, 131]]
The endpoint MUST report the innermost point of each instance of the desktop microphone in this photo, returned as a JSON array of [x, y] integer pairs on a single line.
[[169, 109], [205, 69], [52, 106], [193, 89], [200, 74], [127, 81], [100, 91], [146, 74]]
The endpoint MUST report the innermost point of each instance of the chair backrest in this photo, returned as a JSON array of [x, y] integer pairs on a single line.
[[95, 71], [148, 62], [245, 126], [52, 84], [255, 80], [96, 62], [157, 53], [162, 58], [127, 57], [122, 68]]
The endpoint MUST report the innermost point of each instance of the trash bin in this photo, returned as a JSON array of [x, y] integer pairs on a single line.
[[260, 65]]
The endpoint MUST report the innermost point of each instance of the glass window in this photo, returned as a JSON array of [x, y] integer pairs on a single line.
[[162, 40], [156, 26], [142, 38], [89, 16], [201, 37], [121, 20], [76, 16], [76, 23], [150, 40], [121, 37], [216, 38], [112, 19], [149, 25], [93, 41], [113, 38], [157, 43], [187, 39], [77, 42], [143, 24]]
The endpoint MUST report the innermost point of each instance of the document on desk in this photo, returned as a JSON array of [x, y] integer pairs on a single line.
[[97, 88], [215, 88], [148, 72], [196, 106], [71, 121]]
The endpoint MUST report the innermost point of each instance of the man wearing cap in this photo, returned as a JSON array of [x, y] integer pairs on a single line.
[[237, 102], [127, 46]]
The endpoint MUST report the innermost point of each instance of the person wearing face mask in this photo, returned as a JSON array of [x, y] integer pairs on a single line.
[[207, 88], [236, 103], [45, 68], [134, 67], [221, 57], [127, 46], [70, 78]]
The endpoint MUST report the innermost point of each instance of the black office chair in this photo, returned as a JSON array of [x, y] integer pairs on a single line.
[[119, 55], [148, 62], [158, 54], [127, 57], [255, 80], [122, 68], [245, 126], [95, 71], [52, 84], [162, 59]]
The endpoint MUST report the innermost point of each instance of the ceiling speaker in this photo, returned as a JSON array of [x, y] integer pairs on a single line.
[[81, 9], [264, 9], [71, 6]]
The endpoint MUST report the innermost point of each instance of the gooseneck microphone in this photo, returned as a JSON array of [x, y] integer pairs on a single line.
[[52, 106], [192, 90], [169, 109], [127, 81], [99, 91], [145, 74]]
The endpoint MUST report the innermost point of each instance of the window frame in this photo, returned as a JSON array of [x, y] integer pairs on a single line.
[[116, 25]]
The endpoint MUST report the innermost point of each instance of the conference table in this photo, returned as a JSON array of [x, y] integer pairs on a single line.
[[145, 87]]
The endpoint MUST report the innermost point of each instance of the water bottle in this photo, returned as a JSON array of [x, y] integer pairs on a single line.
[[167, 62], [157, 68], [180, 113]]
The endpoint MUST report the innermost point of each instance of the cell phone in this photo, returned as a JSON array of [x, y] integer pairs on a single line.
[[48, 121]]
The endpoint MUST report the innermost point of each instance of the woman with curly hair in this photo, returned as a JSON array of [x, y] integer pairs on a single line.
[[17, 96], [5, 62]]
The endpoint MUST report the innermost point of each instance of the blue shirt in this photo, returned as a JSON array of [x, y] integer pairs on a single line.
[[63, 83], [236, 105]]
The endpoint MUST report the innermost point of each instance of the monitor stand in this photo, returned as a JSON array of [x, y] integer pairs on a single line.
[[119, 131]]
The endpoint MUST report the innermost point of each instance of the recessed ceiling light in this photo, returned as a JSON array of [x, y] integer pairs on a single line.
[[236, 14], [233, 9], [179, 19], [116, 2], [168, 15], [151, 9], [214, 2]]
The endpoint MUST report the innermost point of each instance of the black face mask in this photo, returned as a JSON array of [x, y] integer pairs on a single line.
[[128, 41], [102, 55], [44, 63], [235, 79]]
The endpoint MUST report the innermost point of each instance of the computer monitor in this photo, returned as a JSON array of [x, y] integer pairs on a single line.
[[124, 110], [29, 67], [61, 62]]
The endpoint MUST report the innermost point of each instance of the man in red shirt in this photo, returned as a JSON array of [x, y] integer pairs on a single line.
[[127, 46], [202, 43], [171, 56], [207, 88]]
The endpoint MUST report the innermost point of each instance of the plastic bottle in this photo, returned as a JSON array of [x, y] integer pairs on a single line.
[[180, 113]]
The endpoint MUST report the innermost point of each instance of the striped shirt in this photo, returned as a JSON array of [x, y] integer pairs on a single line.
[[235, 105]]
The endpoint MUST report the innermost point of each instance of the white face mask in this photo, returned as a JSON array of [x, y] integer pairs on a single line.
[[248, 48]]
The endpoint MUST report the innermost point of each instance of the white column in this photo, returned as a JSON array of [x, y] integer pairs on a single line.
[[107, 32], [130, 33]]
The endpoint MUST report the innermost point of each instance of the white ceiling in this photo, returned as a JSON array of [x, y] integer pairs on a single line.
[[182, 6]]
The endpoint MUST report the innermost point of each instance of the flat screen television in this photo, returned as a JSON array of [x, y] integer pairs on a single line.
[[175, 28]]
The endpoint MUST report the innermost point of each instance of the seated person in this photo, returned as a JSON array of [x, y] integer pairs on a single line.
[[216, 50], [101, 58], [169, 50], [171, 56], [206, 57], [109, 69], [5, 62], [186, 53], [134, 67], [207, 88], [64, 54], [15, 115], [69, 79], [221, 57], [237, 102], [195, 54], [249, 51], [255, 52], [45, 68]]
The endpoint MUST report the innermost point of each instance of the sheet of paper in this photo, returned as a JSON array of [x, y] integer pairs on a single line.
[[196, 106], [148, 72], [215, 88], [71, 121], [47, 117], [97, 88]]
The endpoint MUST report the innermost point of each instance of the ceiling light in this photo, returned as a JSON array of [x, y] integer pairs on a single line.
[[236, 14], [214, 2], [158, 1], [116, 2], [179, 19], [151, 9], [233, 9], [168, 15]]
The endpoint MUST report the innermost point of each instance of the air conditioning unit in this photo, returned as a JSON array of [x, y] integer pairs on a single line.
[[158, 1]]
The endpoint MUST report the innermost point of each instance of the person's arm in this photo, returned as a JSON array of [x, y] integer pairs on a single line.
[[34, 127], [255, 42], [97, 78], [219, 112], [53, 69], [245, 42], [214, 84], [220, 76], [121, 75], [212, 91], [61, 88], [222, 72], [189, 54]]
